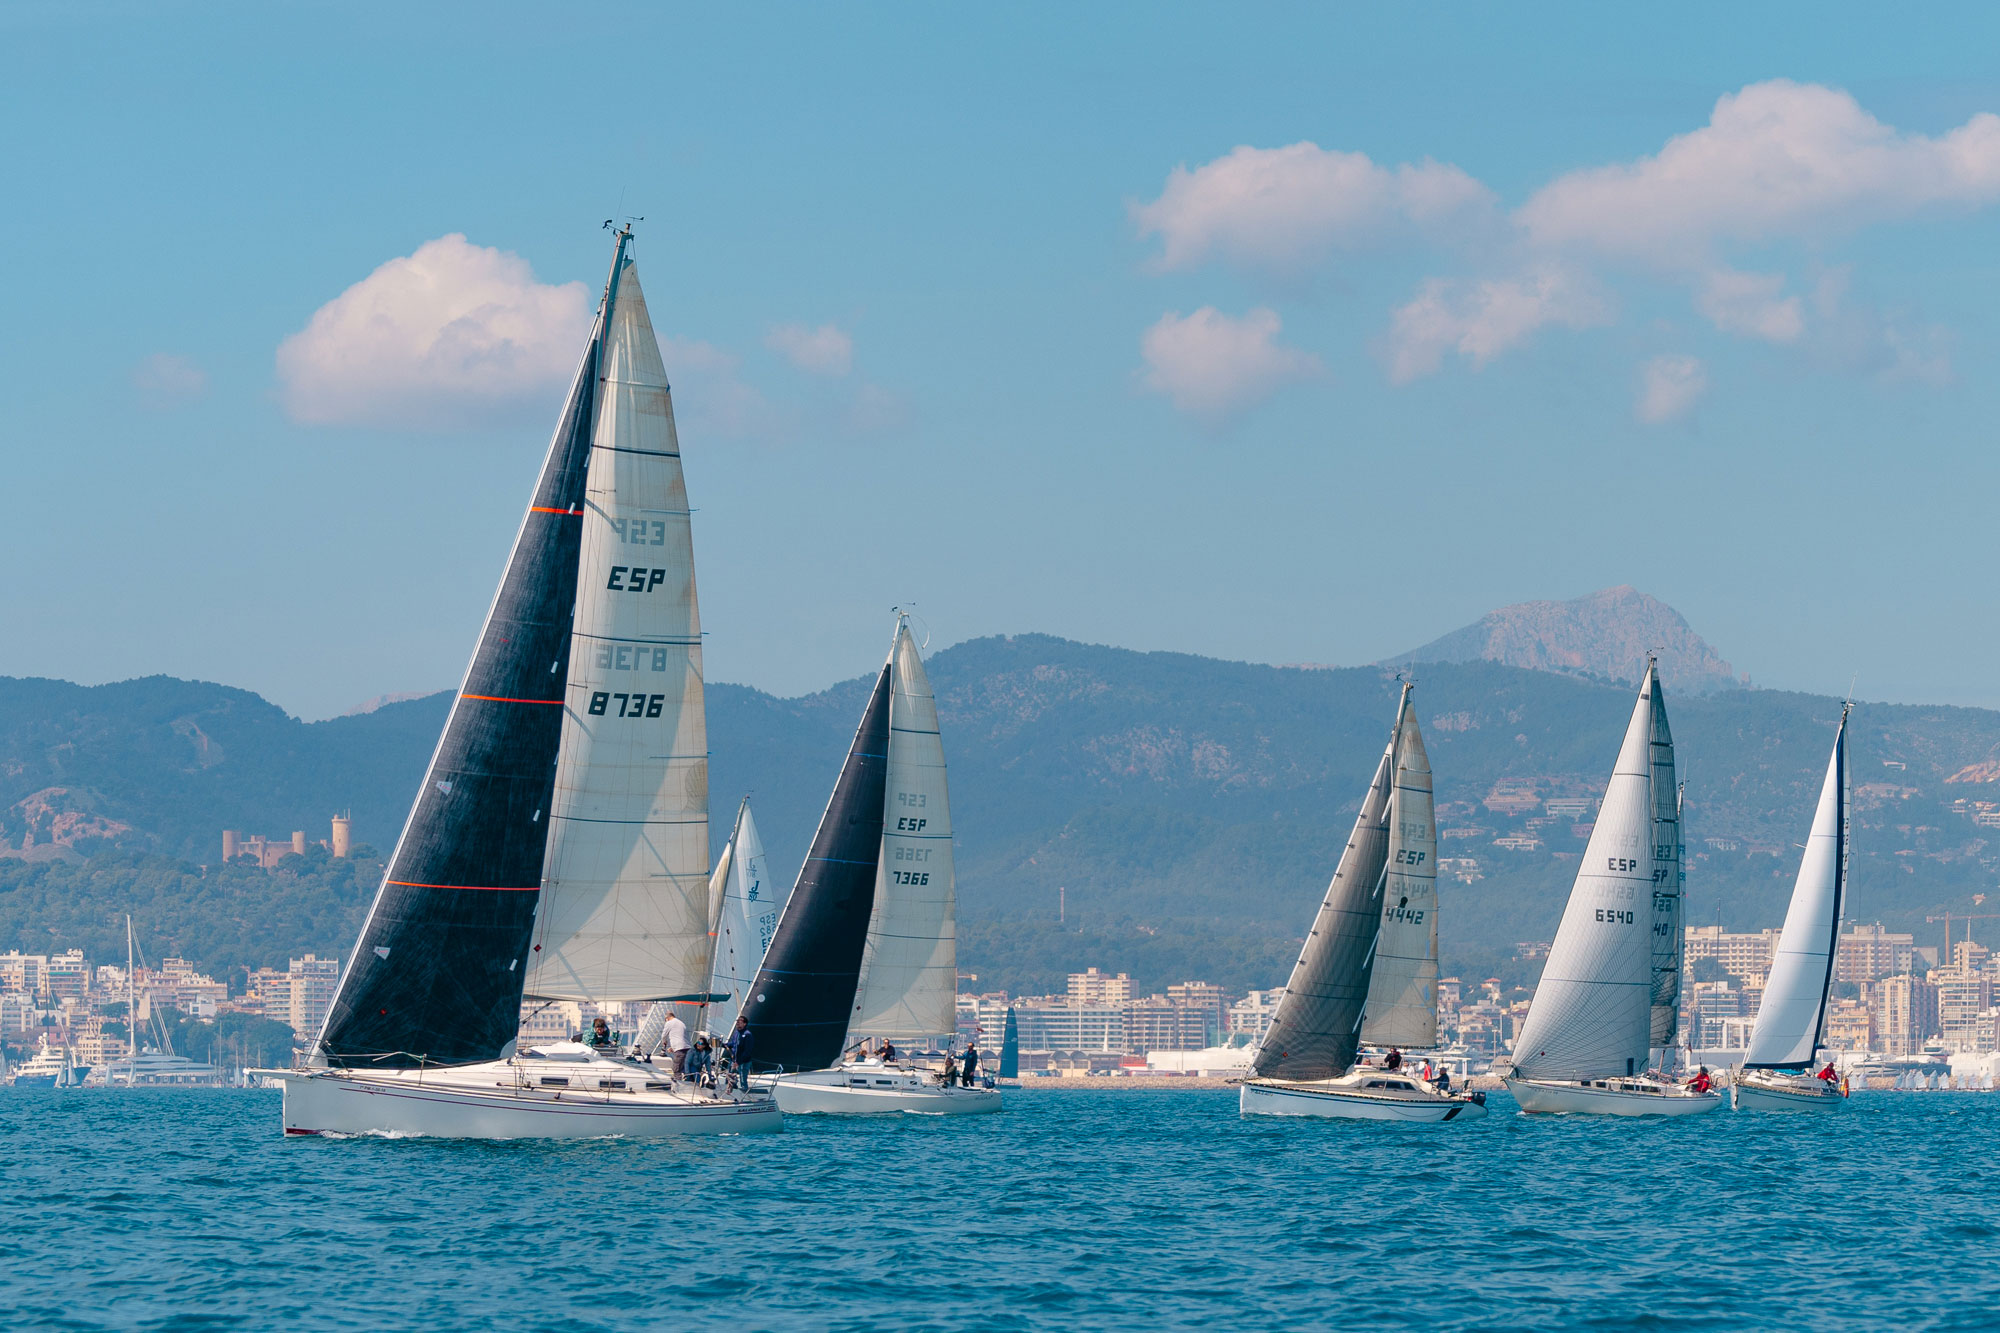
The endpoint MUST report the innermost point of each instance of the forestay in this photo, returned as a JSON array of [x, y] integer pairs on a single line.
[[1402, 986], [909, 967], [1592, 1012], [1793, 1012], [748, 917], [624, 909], [1317, 1028]]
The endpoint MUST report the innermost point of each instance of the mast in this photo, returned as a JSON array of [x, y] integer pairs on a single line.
[[436, 976], [1317, 1028], [800, 1000], [131, 1009]]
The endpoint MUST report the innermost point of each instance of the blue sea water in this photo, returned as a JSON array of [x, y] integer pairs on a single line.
[[1072, 1209]]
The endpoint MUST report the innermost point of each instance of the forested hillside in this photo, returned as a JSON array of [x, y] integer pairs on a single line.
[[1189, 809]]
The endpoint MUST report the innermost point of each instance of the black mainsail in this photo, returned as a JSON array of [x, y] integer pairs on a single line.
[[799, 1004], [436, 976]]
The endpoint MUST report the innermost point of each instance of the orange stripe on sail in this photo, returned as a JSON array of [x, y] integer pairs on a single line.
[[481, 888], [544, 509]]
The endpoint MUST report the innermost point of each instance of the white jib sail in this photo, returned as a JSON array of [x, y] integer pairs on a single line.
[[1402, 990], [1790, 1016], [624, 903], [751, 905], [909, 965], [1592, 1012]]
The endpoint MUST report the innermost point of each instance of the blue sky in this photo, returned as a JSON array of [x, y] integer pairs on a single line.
[[1441, 312]]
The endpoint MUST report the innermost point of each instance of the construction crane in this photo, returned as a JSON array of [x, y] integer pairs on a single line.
[[1944, 959]]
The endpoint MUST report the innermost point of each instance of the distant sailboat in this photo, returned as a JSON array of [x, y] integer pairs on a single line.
[[1777, 1073], [867, 946], [1610, 987], [1368, 971], [748, 905], [558, 847]]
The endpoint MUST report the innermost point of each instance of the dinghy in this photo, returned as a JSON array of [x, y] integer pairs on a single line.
[[867, 946], [1609, 992], [1778, 1072], [558, 847], [1368, 971]]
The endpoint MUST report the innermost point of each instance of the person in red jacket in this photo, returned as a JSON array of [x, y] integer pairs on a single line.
[[1827, 1073], [1701, 1082]]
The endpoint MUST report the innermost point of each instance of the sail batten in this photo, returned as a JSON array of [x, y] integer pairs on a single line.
[[1791, 1017], [1593, 1011]]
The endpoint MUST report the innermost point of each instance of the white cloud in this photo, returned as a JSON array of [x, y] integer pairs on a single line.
[[448, 336], [712, 398], [1750, 304], [1212, 366], [1285, 207], [1777, 160], [165, 381], [1481, 319], [826, 350], [1669, 387]]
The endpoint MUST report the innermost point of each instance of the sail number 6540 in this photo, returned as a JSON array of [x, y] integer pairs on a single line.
[[1614, 914]]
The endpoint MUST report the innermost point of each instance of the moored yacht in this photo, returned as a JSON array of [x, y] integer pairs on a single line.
[[1368, 970], [49, 1067]]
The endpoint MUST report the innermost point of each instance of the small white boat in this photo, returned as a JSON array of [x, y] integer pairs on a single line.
[[869, 1087], [1638, 1095], [564, 1091], [1777, 1070], [1776, 1090], [1360, 1094]]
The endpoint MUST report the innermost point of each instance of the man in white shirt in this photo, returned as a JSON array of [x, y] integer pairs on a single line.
[[678, 1043]]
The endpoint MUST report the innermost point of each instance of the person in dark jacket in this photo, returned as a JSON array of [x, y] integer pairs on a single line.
[[971, 1065], [600, 1033], [698, 1061], [740, 1045]]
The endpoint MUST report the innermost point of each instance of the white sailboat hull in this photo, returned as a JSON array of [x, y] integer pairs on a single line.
[[505, 1100], [874, 1089], [1337, 1099], [1759, 1090], [1611, 1096]]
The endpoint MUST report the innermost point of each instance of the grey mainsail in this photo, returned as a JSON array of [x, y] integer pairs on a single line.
[[1402, 986], [1317, 1028], [1669, 883]]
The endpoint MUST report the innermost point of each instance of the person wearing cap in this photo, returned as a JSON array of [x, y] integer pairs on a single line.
[[971, 1065]]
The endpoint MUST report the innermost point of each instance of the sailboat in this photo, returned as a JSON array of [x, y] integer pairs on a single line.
[[1368, 971], [558, 847], [746, 907], [1609, 993], [1777, 1071], [867, 945]]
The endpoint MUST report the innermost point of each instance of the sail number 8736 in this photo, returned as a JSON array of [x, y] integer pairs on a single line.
[[629, 705]]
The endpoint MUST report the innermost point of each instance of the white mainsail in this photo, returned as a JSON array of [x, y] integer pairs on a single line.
[[1402, 989], [909, 965], [1793, 1011], [748, 917], [624, 901], [1592, 1012]]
